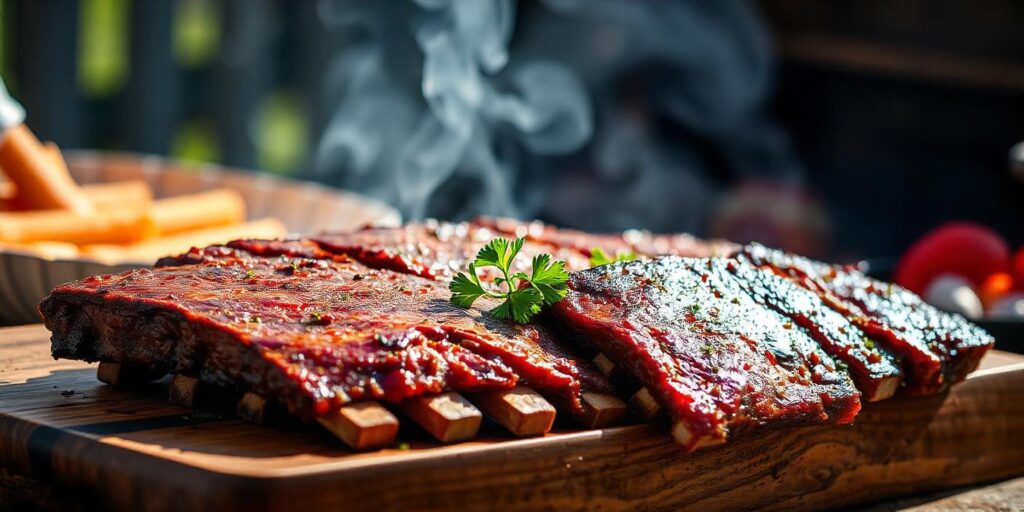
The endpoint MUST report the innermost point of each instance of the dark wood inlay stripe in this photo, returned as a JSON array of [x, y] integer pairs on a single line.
[[40, 445], [137, 425]]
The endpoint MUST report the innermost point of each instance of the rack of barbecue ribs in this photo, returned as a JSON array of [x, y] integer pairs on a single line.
[[356, 331]]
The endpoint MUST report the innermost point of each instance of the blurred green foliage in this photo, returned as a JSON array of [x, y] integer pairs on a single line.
[[197, 32], [281, 132], [279, 121], [102, 46], [196, 141]]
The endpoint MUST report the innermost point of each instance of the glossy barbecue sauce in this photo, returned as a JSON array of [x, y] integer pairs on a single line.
[[716, 360], [436, 249], [936, 349], [347, 332], [875, 369]]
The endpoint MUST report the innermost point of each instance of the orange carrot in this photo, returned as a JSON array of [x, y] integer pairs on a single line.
[[115, 226], [130, 194], [217, 207], [41, 183], [149, 251], [7, 191], [46, 250]]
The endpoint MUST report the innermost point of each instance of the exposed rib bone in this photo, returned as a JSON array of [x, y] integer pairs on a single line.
[[521, 410], [449, 417], [362, 425]]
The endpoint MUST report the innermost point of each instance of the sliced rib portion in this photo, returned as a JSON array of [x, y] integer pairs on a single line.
[[874, 368], [437, 250], [432, 249], [599, 405], [642, 243], [425, 249], [314, 334], [937, 348], [716, 361], [958, 342], [540, 232], [785, 344], [294, 248]]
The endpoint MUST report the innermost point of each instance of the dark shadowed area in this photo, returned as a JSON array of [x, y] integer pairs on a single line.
[[836, 130]]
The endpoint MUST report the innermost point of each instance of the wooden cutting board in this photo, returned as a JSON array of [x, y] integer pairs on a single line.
[[134, 450]]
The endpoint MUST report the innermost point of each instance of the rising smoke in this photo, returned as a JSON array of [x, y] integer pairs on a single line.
[[600, 114], [402, 145]]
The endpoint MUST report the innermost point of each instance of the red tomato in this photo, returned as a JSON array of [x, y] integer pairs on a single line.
[[1018, 269], [961, 248], [995, 287]]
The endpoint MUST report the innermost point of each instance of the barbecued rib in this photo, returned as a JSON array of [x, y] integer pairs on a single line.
[[641, 243], [294, 248], [313, 333], [717, 361], [540, 232], [961, 343], [438, 249], [432, 249], [874, 368], [591, 384], [937, 349]]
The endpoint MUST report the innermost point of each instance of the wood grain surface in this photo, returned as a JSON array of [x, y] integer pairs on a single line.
[[1002, 497], [135, 450]]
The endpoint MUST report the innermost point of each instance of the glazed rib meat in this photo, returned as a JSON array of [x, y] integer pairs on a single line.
[[716, 360], [432, 249], [539, 232], [294, 248], [727, 341], [641, 243], [437, 249], [874, 368], [937, 349], [313, 333]]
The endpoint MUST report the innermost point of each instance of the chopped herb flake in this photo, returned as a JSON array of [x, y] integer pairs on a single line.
[[598, 257]]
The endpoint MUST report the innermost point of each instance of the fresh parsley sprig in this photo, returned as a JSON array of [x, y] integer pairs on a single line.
[[523, 294], [598, 257]]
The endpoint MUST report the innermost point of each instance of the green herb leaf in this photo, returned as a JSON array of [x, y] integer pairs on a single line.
[[598, 257], [466, 288], [519, 305], [549, 278], [523, 294], [499, 253]]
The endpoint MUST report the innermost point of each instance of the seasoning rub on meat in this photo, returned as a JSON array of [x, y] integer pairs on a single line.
[[717, 361], [313, 333], [727, 341]]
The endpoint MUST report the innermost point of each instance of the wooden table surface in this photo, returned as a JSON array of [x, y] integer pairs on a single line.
[[1004, 496], [134, 450]]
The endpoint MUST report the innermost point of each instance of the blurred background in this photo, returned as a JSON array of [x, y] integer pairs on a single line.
[[836, 129]]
